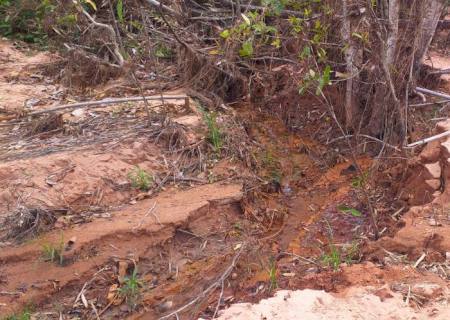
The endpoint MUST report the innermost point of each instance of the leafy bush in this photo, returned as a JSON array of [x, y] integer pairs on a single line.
[[23, 19]]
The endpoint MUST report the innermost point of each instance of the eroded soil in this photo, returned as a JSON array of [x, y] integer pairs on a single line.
[[211, 231]]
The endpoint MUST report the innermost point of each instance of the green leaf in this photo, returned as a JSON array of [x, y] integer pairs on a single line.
[[119, 9], [276, 43], [306, 52], [324, 79], [225, 34], [352, 211], [247, 49]]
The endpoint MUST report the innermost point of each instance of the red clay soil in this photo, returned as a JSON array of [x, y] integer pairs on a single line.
[[127, 233], [182, 238]]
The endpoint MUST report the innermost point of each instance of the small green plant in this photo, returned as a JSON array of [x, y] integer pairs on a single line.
[[354, 212], [313, 78], [214, 133], [131, 289], [54, 252], [273, 283], [24, 315], [359, 181], [333, 258], [140, 179], [163, 52]]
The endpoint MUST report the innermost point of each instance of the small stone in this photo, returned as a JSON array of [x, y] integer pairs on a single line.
[[165, 306], [30, 103], [234, 276], [434, 223], [78, 113], [434, 170]]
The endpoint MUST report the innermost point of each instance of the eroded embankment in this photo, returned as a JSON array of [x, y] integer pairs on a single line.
[[128, 234]]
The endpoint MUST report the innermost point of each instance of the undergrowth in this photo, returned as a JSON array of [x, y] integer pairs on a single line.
[[24, 315], [335, 256], [140, 179], [131, 290], [23, 20], [54, 252], [272, 271], [214, 134]]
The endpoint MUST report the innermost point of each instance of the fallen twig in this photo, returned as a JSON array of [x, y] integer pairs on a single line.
[[429, 103], [420, 260], [150, 211], [214, 285], [442, 71], [367, 137], [433, 93], [86, 284], [102, 103], [301, 258], [426, 140]]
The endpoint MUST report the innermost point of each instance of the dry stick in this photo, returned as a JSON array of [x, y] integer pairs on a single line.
[[429, 103], [219, 281], [102, 103], [364, 136], [442, 71], [433, 93], [419, 260], [426, 140], [110, 29], [218, 301]]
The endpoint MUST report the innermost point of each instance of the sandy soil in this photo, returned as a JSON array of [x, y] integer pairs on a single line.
[[357, 303]]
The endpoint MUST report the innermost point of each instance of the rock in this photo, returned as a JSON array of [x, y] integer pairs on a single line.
[[434, 223], [435, 184], [445, 149], [78, 113], [433, 169], [429, 290], [443, 126], [165, 306], [431, 152], [188, 121]]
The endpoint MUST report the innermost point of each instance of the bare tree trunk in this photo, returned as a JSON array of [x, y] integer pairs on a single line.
[[429, 22], [391, 43], [350, 102]]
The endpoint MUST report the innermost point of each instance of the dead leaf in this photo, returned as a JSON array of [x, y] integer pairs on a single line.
[[84, 300], [113, 295]]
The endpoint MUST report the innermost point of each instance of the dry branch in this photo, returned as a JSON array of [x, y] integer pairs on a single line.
[[213, 286], [433, 93], [426, 140], [104, 102]]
